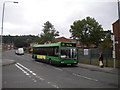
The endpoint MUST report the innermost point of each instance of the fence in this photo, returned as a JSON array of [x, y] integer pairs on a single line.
[[91, 56]]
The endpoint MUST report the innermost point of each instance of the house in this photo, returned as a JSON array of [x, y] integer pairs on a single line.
[[116, 32], [63, 39], [7, 46]]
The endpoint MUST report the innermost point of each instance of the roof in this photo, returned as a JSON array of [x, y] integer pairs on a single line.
[[51, 45], [117, 21], [63, 39]]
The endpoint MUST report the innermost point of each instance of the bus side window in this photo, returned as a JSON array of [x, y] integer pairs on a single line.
[[56, 51]]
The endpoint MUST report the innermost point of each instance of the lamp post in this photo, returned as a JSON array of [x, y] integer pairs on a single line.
[[118, 9], [3, 12], [113, 38]]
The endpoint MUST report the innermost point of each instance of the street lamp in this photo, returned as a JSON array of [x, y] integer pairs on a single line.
[[1, 37], [3, 11], [118, 9]]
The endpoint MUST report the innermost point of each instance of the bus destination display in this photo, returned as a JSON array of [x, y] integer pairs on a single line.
[[68, 44]]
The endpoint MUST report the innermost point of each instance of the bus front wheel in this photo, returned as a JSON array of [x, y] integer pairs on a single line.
[[73, 64]]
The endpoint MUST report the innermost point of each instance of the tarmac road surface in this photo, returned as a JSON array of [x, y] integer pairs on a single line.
[[27, 73]]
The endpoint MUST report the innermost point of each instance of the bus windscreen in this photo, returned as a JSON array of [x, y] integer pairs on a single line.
[[68, 52]]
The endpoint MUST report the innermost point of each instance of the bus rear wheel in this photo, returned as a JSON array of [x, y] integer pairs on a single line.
[[50, 61]]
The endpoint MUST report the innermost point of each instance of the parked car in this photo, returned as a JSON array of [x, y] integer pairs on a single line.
[[19, 51]]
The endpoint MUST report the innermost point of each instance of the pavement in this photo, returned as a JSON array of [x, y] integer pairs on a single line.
[[5, 62], [111, 70], [98, 68]]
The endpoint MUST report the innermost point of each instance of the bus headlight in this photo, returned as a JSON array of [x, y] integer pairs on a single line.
[[75, 62]]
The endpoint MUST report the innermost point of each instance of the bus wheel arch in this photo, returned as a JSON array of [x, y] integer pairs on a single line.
[[35, 57], [32, 56], [73, 64], [50, 61]]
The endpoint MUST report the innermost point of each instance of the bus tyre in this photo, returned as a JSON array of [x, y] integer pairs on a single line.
[[73, 64], [35, 57], [50, 62], [32, 56]]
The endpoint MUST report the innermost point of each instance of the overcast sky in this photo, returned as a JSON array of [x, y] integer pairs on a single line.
[[28, 16]]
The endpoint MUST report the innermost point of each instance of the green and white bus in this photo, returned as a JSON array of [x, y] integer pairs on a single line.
[[56, 53]]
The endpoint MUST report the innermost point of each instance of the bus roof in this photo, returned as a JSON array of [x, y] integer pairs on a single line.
[[52, 44]]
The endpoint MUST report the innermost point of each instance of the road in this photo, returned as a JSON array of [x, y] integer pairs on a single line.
[[28, 73]]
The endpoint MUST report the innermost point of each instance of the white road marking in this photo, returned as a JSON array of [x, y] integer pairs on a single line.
[[23, 68], [34, 74], [48, 82], [85, 77], [31, 72], [34, 80], [55, 86], [39, 78], [26, 68], [59, 69]]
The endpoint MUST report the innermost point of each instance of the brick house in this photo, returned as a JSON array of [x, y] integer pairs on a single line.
[[116, 32], [63, 39], [7, 46]]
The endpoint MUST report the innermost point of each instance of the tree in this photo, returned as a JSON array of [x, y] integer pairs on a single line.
[[49, 33], [87, 31], [8, 39], [20, 42], [107, 42]]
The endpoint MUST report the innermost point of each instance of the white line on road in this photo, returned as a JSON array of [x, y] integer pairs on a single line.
[[26, 68], [59, 69], [55, 86], [34, 80], [49, 82], [39, 77], [22, 69], [85, 77]]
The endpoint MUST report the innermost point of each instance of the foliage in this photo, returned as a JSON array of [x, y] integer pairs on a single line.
[[107, 42], [49, 33], [8, 39], [87, 31], [19, 41]]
